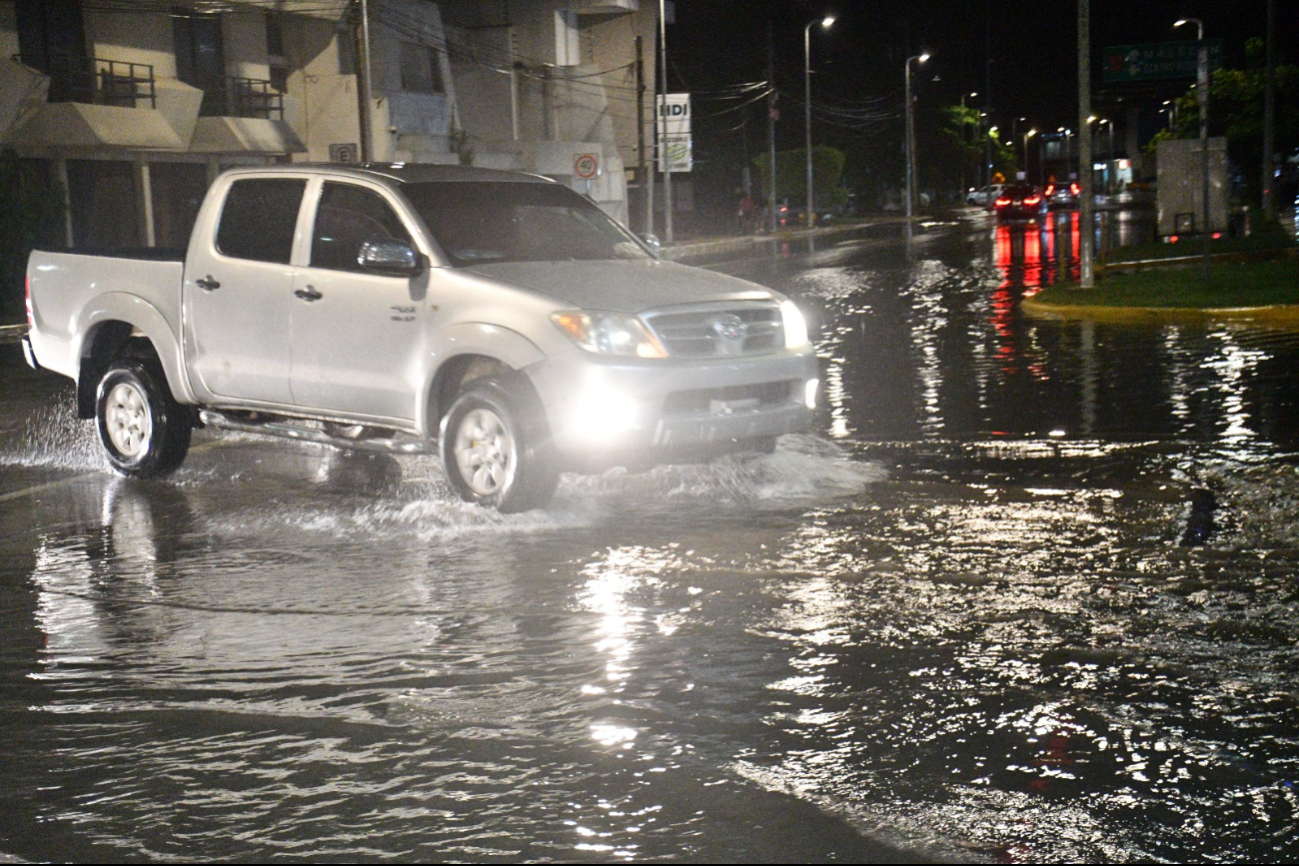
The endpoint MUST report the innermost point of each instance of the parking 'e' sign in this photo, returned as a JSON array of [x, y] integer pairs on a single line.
[[1157, 60], [586, 165]]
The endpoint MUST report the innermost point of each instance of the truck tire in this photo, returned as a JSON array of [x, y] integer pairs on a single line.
[[145, 432], [494, 449]]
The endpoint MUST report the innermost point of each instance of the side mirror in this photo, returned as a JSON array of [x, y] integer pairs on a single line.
[[393, 258], [652, 241]]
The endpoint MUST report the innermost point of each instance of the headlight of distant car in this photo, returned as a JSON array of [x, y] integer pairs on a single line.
[[609, 334], [795, 325]]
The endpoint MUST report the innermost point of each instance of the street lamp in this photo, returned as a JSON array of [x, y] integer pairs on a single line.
[[1199, 26], [807, 105], [1068, 150], [964, 156], [910, 136], [1014, 134]]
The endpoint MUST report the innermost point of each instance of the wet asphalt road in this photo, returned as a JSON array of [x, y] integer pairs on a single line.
[[955, 621]]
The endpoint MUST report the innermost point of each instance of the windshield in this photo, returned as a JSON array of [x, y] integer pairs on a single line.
[[493, 221]]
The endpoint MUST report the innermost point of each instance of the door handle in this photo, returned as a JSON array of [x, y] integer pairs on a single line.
[[207, 284], [309, 293]]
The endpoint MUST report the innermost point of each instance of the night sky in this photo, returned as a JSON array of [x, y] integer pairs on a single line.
[[1020, 56]]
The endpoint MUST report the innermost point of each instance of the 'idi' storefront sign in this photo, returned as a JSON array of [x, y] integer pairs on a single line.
[[674, 132]]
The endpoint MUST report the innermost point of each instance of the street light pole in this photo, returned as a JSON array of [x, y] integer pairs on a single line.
[[1014, 134], [910, 137], [1199, 26], [1027, 136], [807, 105], [965, 158], [1202, 85]]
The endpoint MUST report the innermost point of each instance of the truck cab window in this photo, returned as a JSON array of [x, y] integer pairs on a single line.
[[349, 216], [258, 219]]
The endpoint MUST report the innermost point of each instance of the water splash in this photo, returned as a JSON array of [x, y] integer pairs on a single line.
[[54, 437]]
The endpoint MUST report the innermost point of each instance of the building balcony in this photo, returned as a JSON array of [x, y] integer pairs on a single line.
[[243, 97], [98, 81]]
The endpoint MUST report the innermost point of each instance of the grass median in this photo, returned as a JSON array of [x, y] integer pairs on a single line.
[[1184, 286]]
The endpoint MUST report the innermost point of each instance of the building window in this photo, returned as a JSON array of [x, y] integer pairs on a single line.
[[567, 50], [200, 53], [274, 35], [421, 71]]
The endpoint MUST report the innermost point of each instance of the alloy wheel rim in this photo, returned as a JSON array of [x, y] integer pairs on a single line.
[[127, 420], [484, 452]]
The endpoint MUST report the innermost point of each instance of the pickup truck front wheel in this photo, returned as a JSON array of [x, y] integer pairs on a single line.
[[144, 431], [494, 453]]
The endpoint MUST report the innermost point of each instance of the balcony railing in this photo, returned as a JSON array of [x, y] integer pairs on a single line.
[[97, 81], [243, 97]]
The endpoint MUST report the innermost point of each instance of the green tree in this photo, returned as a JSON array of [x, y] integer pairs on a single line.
[[791, 174], [1236, 113], [967, 144], [31, 215]]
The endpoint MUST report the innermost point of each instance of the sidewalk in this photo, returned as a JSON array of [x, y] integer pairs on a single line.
[[734, 243]]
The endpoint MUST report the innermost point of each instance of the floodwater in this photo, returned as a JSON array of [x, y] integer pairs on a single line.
[[955, 621]]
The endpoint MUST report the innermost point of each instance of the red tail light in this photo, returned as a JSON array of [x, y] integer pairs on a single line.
[[1050, 190], [1032, 200], [1074, 188], [1002, 202]]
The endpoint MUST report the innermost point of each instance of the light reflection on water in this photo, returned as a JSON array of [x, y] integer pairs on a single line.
[[944, 628]]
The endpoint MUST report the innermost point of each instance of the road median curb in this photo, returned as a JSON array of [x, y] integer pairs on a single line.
[[1277, 315]]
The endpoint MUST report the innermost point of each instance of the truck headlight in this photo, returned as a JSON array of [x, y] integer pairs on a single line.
[[795, 325], [609, 334]]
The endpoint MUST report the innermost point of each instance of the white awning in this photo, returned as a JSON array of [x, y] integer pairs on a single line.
[[244, 135], [78, 125]]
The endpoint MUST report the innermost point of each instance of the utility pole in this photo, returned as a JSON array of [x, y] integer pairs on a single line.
[[772, 113], [1269, 115], [1202, 86], [665, 151], [364, 94], [646, 176], [1086, 230]]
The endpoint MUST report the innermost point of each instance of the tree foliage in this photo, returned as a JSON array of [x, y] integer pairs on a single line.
[[791, 173], [1236, 113]]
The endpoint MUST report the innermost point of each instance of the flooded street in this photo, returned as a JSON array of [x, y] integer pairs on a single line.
[[955, 621]]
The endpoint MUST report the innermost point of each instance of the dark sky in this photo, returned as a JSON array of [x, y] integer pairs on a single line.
[[1023, 53]]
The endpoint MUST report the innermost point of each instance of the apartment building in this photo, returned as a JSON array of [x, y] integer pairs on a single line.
[[134, 106]]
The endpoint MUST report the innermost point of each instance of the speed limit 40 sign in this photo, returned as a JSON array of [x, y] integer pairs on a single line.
[[586, 165]]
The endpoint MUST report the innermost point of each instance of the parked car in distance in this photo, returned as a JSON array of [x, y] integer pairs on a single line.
[[984, 197], [1061, 195], [1018, 202]]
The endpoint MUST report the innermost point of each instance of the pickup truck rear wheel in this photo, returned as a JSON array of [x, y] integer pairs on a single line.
[[145, 432], [494, 451]]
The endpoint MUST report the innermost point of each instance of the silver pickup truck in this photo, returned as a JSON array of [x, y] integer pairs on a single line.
[[500, 318]]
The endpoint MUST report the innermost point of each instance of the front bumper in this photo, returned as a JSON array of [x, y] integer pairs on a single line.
[[602, 413]]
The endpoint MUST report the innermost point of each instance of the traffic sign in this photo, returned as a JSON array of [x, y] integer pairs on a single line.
[[1157, 60], [586, 165]]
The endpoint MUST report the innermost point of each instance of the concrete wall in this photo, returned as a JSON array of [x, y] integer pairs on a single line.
[[133, 37], [8, 30]]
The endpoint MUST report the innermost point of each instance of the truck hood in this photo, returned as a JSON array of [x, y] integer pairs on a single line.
[[624, 287]]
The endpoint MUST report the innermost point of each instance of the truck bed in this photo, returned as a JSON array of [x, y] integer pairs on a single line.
[[63, 285]]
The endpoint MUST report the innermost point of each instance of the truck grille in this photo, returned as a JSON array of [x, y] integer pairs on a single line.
[[718, 332], [731, 398]]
